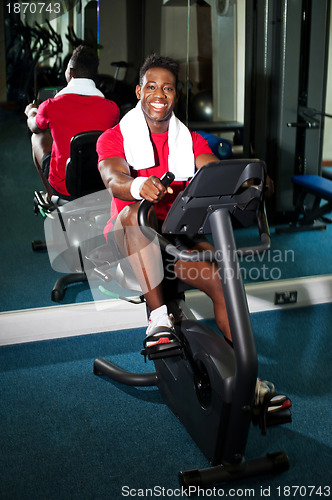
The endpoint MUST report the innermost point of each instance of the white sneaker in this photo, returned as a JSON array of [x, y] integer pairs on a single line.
[[160, 331], [266, 397], [262, 388]]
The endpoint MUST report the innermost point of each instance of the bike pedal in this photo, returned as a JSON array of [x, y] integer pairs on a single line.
[[264, 418], [280, 417], [161, 351]]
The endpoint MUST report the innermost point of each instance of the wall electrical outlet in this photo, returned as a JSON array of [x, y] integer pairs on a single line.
[[281, 298]]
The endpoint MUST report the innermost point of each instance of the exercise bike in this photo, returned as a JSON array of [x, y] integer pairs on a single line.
[[207, 384]]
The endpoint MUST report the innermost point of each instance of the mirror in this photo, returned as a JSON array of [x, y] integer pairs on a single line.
[[207, 38]]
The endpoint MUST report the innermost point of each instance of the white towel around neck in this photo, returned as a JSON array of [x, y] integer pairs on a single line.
[[81, 86], [139, 150]]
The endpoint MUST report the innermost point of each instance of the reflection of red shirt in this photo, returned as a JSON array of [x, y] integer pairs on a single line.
[[66, 116], [110, 143]]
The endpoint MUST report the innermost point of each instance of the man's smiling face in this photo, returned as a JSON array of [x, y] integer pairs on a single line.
[[158, 97]]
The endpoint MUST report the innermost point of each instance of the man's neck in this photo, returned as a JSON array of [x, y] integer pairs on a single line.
[[77, 80], [158, 127]]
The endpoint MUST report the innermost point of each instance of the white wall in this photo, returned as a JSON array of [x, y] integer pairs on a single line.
[[327, 148], [113, 34], [240, 58], [174, 39], [3, 96]]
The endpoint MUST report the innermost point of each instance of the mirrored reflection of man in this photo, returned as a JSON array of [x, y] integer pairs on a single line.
[[79, 107]]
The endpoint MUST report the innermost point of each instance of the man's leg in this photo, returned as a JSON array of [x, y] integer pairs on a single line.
[[204, 276], [41, 145], [201, 275], [144, 256], [146, 261]]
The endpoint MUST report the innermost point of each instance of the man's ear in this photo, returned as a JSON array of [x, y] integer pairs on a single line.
[[138, 92], [71, 74]]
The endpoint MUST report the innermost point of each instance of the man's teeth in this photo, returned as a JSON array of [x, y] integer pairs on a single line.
[[158, 105]]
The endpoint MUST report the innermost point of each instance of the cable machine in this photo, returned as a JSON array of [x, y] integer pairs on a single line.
[[286, 75]]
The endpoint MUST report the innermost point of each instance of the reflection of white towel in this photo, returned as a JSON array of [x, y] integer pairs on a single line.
[[81, 86], [139, 150]]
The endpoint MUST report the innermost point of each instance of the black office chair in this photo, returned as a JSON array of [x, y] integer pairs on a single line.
[[82, 175], [82, 179]]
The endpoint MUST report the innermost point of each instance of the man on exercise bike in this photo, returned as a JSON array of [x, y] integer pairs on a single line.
[[133, 156], [79, 107]]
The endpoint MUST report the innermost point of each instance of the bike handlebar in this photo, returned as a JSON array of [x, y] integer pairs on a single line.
[[194, 256]]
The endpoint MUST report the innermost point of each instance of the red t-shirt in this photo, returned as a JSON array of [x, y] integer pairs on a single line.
[[110, 143], [66, 116]]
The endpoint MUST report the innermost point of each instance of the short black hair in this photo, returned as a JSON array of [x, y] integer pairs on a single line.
[[84, 62], [155, 61]]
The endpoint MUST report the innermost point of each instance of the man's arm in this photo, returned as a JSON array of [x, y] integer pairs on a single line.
[[204, 158], [115, 174], [31, 113]]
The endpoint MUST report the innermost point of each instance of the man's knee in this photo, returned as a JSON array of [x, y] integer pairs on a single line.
[[34, 141], [128, 215], [42, 142]]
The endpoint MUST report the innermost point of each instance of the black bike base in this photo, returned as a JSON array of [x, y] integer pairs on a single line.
[[297, 228], [59, 288], [273, 463], [103, 367]]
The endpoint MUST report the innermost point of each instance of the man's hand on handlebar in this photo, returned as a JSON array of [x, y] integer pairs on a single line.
[[269, 187], [153, 190], [28, 108]]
